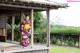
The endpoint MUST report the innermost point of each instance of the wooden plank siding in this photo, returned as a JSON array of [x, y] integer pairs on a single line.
[[2, 22], [3, 28]]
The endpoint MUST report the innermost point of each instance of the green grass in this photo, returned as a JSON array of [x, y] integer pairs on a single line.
[[60, 49]]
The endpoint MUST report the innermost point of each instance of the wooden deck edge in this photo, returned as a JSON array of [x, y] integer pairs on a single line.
[[25, 50]]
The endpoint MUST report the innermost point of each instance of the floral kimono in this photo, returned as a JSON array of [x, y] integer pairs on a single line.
[[25, 32]]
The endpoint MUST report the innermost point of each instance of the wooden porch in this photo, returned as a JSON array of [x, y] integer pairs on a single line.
[[7, 47]]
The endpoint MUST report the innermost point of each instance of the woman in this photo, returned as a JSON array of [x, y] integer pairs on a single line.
[[25, 31]]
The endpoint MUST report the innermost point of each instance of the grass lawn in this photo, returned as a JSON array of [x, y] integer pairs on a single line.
[[62, 49]]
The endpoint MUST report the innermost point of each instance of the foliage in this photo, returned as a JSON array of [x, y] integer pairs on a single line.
[[17, 32], [39, 28], [39, 22], [70, 35], [65, 30], [9, 31]]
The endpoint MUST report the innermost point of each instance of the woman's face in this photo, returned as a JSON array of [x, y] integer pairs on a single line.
[[27, 18]]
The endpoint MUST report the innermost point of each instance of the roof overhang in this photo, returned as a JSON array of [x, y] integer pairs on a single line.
[[29, 4]]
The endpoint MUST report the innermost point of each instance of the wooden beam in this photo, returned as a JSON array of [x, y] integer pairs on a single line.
[[48, 29], [25, 7], [17, 12], [2, 0], [32, 28], [13, 22], [10, 0]]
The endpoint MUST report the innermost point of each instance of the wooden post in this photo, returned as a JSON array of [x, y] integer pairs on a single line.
[[4, 32], [74, 40], [21, 16], [62, 40], [32, 28], [13, 22], [79, 41], [48, 29]]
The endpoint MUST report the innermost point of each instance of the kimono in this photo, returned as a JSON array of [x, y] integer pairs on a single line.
[[25, 32]]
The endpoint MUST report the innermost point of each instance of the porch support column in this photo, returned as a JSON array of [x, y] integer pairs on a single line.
[[13, 22], [32, 28], [21, 18], [79, 41], [62, 39], [4, 32], [48, 28]]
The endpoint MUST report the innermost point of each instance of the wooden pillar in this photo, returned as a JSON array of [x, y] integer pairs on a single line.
[[21, 18], [13, 22], [4, 32], [74, 37], [48, 29], [79, 41], [32, 28], [62, 40]]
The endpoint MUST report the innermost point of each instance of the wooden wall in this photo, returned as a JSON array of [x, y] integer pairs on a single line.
[[2, 22], [2, 28]]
